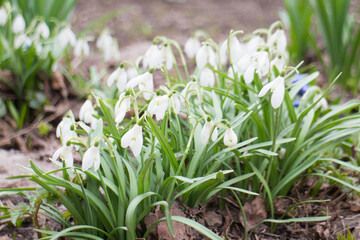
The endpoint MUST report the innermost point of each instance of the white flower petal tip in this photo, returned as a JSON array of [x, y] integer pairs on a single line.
[[230, 138], [91, 158], [133, 139], [158, 106], [277, 87]]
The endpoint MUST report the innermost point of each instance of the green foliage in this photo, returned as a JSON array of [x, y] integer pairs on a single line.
[[337, 30], [190, 140], [52, 11], [349, 236], [30, 55]]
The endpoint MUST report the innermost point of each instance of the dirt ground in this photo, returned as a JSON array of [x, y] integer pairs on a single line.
[[137, 24]]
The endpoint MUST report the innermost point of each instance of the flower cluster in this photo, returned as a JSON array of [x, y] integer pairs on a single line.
[[261, 56]]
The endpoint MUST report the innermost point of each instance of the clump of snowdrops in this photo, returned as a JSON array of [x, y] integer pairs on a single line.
[[30, 51], [240, 122]]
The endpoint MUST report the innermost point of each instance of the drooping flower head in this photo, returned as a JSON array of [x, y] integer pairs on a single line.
[[192, 45], [18, 25], [277, 87], [145, 82], [91, 158], [205, 55], [133, 139], [121, 108], [158, 106], [42, 30], [207, 78], [118, 76], [206, 131], [230, 138]]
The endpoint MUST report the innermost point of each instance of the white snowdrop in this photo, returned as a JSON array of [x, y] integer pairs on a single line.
[[121, 108], [18, 25], [118, 76], [65, 154], [22, 40], [66, 37], [81, 48], [205, 55], [277, 87], [206, 131], [207, 78], [192, 45], [153, 57], [230, 138], [3, 16], [133, 139], [158, 106], [91, 158], [277, 40], [145, 82], [42, 30]]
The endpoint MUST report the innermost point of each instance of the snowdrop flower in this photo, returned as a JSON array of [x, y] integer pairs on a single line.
[[18, 25], [131, 72], [322, 103], [86, 113], [153, 57], [66, 36], [205, 55], [22, 40], [230, 138], [192, 45], [3, 16], [206, 130], [91, 157], [81, 48], [120, 77], [42, 30], [207, 78], [259, 62], [133, 139], [278, 40], [168, 57], [65, 154], [158, 106], [277, 86], [175, 102], [121, 108], [145, 82], [190, 89], [235, 50], [279, 62], [64, 127], [109, 46], [254, 44]]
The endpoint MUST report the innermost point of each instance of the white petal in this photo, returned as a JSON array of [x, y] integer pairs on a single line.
[[126, 138], [192, 45], [230, 138], [57, 154], [205, 132], [265, 89], [137, 141], [207, 78], [278, 96], [113, 76], [214, 135], [201, 57], [67, 156], [249, 74], [122, 80], [18, 24], [88, 160]]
